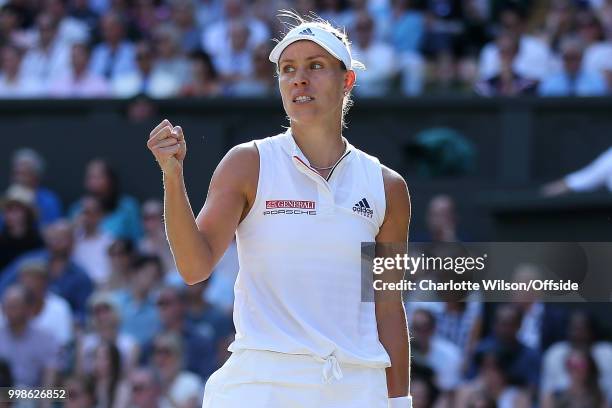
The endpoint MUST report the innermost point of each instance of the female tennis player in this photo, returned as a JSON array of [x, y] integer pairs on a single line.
[[300, 204]]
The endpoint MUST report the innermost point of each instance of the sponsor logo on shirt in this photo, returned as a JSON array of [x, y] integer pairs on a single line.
[[290, 207], [362, 207]]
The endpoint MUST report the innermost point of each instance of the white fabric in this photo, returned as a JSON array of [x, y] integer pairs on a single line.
[[445, 360], [531, 327], [264, 379], [598, 57], [299, 286], [186, 387], [595, 175], [380, 59], [400, 402], [56, 318], [316, 33], [92, 254]]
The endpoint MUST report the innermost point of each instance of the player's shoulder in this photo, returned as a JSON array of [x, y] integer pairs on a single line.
[[396, 189]]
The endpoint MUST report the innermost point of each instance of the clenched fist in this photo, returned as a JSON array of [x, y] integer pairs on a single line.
[[167, 143]]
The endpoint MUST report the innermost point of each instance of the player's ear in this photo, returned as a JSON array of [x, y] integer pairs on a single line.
[[349, 80]]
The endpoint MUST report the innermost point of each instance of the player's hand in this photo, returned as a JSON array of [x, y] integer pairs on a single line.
[[167, 143]]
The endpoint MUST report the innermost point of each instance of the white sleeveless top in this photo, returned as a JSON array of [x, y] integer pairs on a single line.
[[299, 286]]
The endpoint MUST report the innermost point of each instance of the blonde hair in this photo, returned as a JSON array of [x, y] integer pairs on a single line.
[[296, 20]]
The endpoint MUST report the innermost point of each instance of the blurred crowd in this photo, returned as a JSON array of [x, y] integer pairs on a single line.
[[91, 302], [208, 48]]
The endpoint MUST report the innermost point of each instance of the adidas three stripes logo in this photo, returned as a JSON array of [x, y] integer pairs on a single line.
[[363, 207]]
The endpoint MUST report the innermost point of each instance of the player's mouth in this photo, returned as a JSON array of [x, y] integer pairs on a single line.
[[303, 99]]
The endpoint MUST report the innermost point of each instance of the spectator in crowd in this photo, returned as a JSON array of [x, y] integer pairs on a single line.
[[204, 80], [13, 83], [460, 322], [378, 57], [573, 80], [91, 243], [507, 82], [412, 73], [145, 389], [208, 12], [333, 11], [31, 352], [542, 323], [147, 15], [220, 291], [524, 366], [582, 334], [236, 63], [79, 82], [11, 30], [205, 316], [121, 253], [598, 49], [70, 30], [493, 383], [442, 219], [49, 311], [533, 57], [583, 389], [428, 348], [28, 169], [217, 35], [262, 82], [595, 175], [81, 11], [20, 233], [145, 80], [560, 22], [65, 278], [184, 19], [180, 388], [422, 388], [154, 241], [110, 388], [444, 27], [121, 211], [114, 56], [139, 316], [197, 341], [406, 27], [105, 321], [49, 59], [80, 392], [170, 59]]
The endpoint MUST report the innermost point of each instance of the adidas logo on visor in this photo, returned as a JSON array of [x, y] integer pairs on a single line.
[[307, 31]]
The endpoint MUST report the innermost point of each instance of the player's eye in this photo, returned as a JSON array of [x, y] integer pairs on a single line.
[[316, 65], [288, 68]]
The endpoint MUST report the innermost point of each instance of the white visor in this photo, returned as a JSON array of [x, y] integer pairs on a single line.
[[314, 32]]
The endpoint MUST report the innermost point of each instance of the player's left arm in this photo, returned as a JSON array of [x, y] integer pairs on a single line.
[[392, 239]]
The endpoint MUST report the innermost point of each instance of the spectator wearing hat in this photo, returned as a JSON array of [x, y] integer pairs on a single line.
[[65, 278], [32, 352], [20, 233], [28, 170], [180, 388], [104, 324]]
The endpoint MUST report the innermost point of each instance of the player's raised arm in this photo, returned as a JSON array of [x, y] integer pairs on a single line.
[[198, 246]]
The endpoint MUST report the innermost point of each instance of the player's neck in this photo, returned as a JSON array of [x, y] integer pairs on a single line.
[[321, 144]]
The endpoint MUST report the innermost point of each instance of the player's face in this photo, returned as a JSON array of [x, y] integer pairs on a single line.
[[312, 82]]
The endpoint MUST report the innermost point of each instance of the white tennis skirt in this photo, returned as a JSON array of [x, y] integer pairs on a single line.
[[265, 379]]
